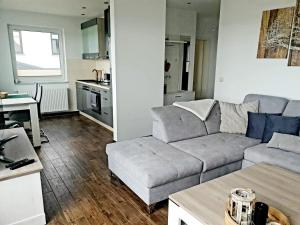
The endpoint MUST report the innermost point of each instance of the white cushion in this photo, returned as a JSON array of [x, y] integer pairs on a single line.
[[234, 117]]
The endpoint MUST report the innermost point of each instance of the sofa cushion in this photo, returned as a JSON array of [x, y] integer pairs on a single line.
[[213, 121], [280, 124], [152, 162], [292, 109], [268, 104], [286, 142], [216, 150], [256, 124], [171, 123], [234, 117], [261, 153]]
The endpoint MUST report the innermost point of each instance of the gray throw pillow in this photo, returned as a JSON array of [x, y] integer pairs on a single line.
[[286, 142], [234, 117]]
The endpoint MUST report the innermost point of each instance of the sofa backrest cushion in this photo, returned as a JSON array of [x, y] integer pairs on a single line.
[[292, 109], [286, 142], [213, 121], [268, 104], [171, 123]]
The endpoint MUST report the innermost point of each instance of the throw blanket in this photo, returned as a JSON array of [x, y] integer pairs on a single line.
[[201, 108]]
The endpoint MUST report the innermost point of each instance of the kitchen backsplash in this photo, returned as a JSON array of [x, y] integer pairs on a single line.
[[79, 69], [103, 65]]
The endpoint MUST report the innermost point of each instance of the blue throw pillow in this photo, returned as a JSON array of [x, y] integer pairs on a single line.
[[256, 124], [280, 124]]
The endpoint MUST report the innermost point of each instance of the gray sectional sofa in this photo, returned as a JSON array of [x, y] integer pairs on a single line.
[[185, 151]]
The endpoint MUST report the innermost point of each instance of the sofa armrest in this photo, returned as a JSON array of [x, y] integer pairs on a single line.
[[171, 124]]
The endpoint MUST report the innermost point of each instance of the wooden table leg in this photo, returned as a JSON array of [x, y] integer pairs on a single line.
[[35, 125]]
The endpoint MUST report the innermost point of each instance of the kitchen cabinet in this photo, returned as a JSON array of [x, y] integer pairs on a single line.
[[94, 39], [107, 22], [90, 40], [79, 97], [106, 103], [95, 101]]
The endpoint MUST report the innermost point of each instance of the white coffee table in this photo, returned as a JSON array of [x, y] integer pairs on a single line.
[[205, 204]]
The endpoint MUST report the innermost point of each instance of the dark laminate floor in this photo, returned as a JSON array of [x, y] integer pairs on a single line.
[[76, 185]]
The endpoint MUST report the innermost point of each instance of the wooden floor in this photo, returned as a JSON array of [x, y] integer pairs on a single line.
[[76, 185]]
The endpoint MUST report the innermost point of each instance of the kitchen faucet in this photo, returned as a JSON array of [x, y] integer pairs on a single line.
[[97, 74], [99, 77]]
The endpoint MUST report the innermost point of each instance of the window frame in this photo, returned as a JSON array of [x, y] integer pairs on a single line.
[[52, 46], [40, 79]]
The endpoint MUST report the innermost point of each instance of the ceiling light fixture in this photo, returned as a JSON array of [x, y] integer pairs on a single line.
[[106, 2], [83, 7], [83, 14], [188, 3]]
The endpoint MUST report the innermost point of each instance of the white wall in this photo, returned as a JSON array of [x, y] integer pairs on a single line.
[[207, 30], [76, 68], [237, 66], [183, 22], [138, 34]]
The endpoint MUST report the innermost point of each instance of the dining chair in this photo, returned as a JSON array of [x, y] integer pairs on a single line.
[[24, 116]]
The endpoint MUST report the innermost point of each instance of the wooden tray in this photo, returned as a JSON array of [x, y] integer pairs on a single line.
[[275, 215]]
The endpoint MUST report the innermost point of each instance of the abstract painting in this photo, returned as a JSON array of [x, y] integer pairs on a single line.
[[275, 33], [294, 56]]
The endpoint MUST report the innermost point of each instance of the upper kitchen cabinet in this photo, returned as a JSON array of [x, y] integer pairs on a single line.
[[94, 39], [107, 22]]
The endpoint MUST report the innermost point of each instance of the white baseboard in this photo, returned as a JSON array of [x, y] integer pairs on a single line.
[[96, 121]]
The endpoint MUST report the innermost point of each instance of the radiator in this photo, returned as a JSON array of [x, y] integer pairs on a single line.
[[53, 100]]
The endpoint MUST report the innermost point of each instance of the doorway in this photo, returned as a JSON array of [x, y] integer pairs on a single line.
[[203, 80]]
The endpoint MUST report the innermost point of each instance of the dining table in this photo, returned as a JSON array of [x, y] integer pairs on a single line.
[[20, 102]]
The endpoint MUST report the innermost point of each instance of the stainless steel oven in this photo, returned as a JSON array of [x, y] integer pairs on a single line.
[[95, 100]]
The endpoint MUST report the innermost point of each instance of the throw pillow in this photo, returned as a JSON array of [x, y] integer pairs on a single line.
[[286, 142], [256, 124], [280, 124], [234, 117]]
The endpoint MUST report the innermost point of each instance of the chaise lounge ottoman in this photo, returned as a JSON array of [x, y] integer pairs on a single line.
[[152, 168]]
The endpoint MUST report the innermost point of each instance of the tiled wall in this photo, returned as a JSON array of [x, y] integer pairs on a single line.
[[78, 69], [103, 65]]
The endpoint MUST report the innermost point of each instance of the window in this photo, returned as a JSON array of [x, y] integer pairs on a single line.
[[36, 54]]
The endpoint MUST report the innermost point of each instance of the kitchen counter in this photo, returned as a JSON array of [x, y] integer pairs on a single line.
[[94, 84]]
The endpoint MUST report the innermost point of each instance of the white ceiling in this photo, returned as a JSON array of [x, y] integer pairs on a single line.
[[203, 7], [96, 7], [58, 7]]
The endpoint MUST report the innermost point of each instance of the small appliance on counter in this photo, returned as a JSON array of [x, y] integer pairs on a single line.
[[102, 77], [106, 78]]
